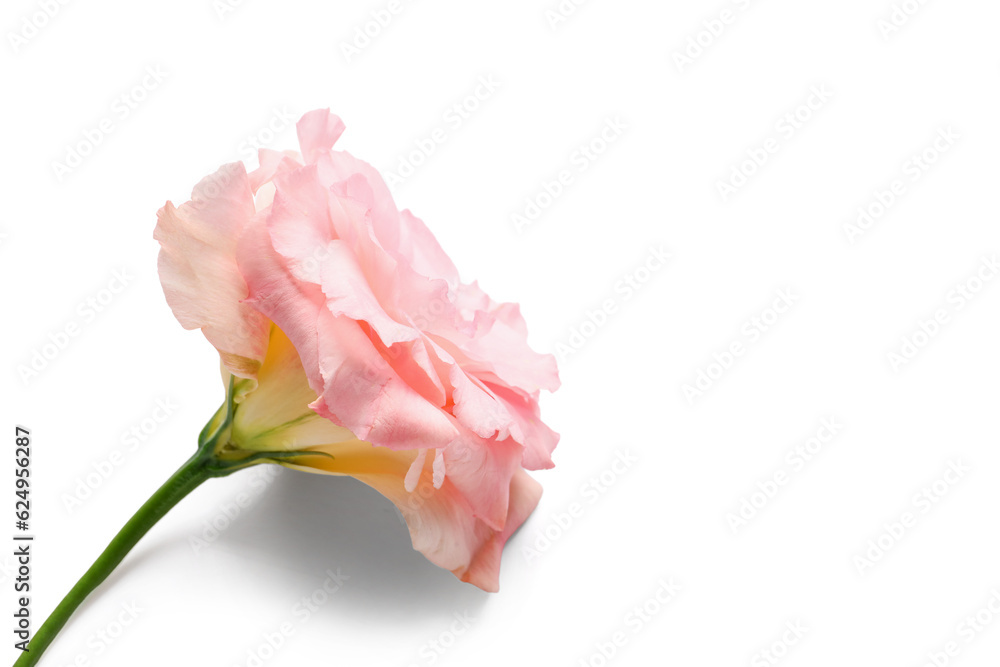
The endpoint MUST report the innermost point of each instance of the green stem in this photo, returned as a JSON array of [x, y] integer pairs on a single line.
[[190, 475], [217, 456]]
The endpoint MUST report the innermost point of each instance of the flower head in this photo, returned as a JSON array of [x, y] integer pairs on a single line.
[[347, 332]]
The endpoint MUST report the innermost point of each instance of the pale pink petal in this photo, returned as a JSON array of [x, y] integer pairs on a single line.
[[416, 469], [538, 439], [339, 166], [387, 293], [318, 131], [199, 272], [366, 394], [349, 293], [484, 568], [413, 363], [479, 468], [419, 249], [496, 347], [477, 408], [273, 291], [272, 163], [299, 222], [491, 409], [443, 529]]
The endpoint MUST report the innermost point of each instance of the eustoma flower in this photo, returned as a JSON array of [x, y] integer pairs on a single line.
[[349, 347]]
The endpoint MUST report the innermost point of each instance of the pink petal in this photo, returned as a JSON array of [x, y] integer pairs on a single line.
[[480, 470], [419, 248], [504, 357], [538, 439], [413, 363], [274, 292], [477, 408], [338, 167], [199, 272], [271, 164], [483, 569], [318, 131], [299, 222], [366, 394], [349, 293], [492, 409]]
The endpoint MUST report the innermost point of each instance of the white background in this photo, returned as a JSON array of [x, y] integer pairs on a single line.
[[229, 76]]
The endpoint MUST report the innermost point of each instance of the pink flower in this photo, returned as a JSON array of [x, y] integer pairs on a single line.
[[350, 333]]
